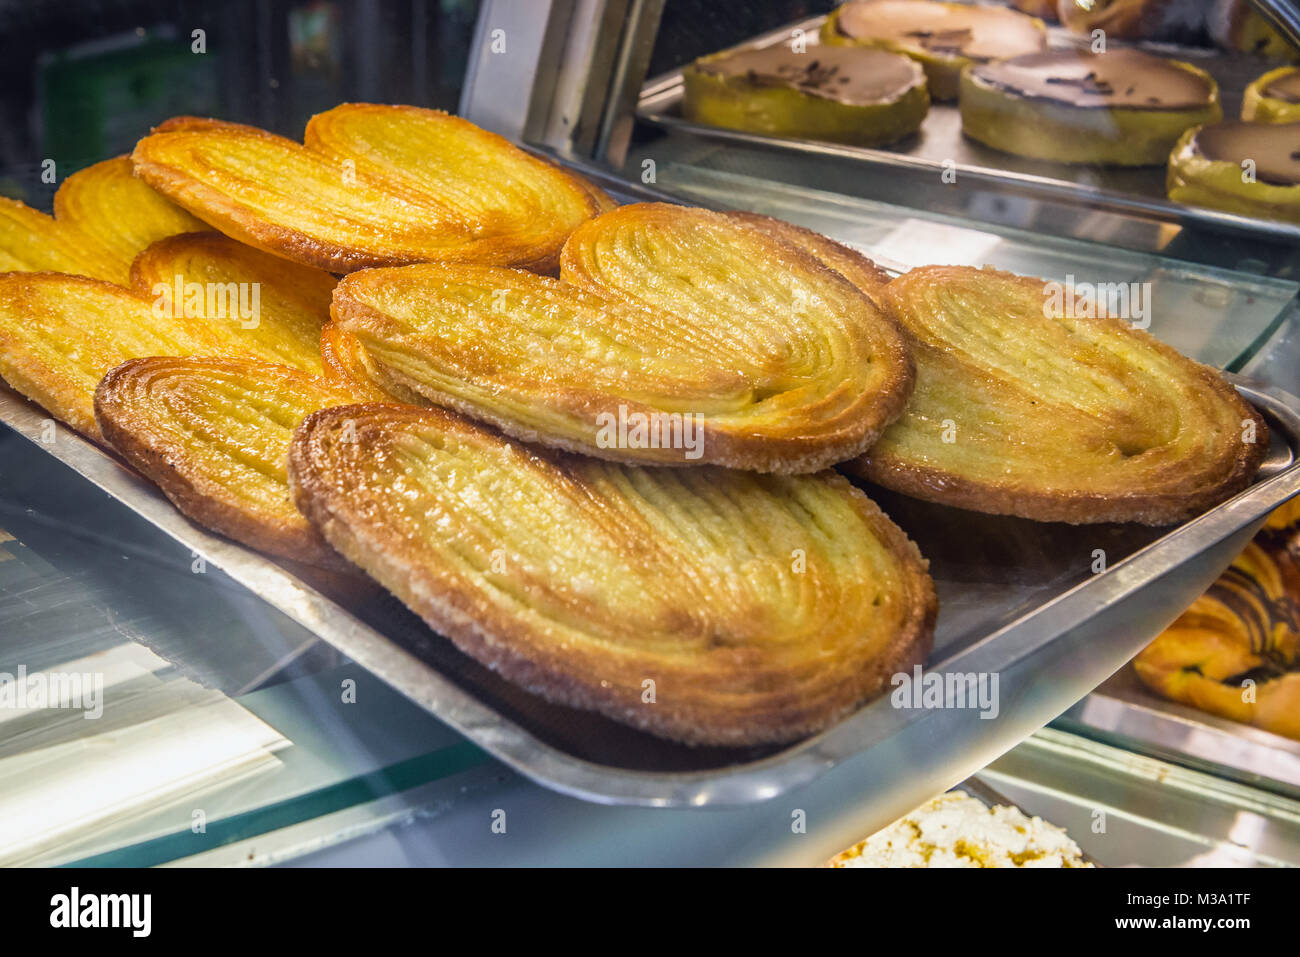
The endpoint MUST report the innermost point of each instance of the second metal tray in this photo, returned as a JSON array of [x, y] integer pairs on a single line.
[[1124, 711], [940, 146]]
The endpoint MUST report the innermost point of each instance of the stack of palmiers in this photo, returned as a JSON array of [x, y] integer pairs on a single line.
[[615, 479]]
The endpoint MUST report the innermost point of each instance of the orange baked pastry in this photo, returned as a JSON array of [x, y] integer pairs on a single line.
[[214, 435], [1028, 404], [676, 336], [704, 605], [371, 185], [1236, 651], [103, 218]]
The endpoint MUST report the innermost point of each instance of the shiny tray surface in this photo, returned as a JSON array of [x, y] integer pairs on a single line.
[[1014, 596]]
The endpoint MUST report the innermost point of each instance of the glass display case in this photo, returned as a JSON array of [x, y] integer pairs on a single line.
[[250, 710]]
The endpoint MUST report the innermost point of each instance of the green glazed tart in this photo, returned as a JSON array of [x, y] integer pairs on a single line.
[[943, 37], [1236, 25], [1120, 108], [1206, 169], [1274, 97], [840, 94]]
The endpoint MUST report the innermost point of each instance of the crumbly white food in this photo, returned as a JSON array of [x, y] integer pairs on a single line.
[[956, 830]]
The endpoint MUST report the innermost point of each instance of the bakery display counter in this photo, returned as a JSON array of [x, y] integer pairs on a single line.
[[353, 583]]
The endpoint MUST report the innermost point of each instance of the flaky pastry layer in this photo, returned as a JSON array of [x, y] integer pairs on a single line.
[[104, 217], [767, 358], [59, 335], [348, 366], [214, 435], [273, 307], [372, 186], [1024, 406], [703, 605], [118, 213]]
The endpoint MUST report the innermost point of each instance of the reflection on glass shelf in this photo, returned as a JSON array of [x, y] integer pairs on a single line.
[[1218, 316], [211, 700], [109, 739]]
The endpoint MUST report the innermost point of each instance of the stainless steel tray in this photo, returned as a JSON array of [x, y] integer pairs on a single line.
[[1018, 599], [940, 145], [1124, 711]]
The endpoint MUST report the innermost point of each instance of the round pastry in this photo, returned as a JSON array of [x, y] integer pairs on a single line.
[[942, 37], [1252, 169], [842, 94], [1274, 97], [1234, 25], [1123, 107], [1170, 20]]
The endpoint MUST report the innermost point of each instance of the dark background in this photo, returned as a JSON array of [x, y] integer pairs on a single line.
[[82, 80]]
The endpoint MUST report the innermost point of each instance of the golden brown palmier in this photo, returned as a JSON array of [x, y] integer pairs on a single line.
[[103, 218], [704, 605], [59, 335], [677, 336], [214, 435], [118, 213], [373, 186], [1019, 410]]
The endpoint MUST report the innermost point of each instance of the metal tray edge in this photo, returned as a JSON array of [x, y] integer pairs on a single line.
[[557, 770]]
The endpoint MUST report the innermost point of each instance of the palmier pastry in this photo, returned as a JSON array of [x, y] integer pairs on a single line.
[[709, 606], [1236, 651], [838, 93], [1251, 169], [214, 435], [31, 241], [275, 307], [1274, 97], [373, 186], [348, 366], [678, 336], [1123, 107], [943, 37], [103, 218], [118, 213], [1028, 403], [60, 334]]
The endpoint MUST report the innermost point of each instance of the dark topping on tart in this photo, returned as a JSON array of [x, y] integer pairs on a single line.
[[943, 29], [849, 75], [1088, 83], [1118, 78], [1286, 87], [1274, 148]]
